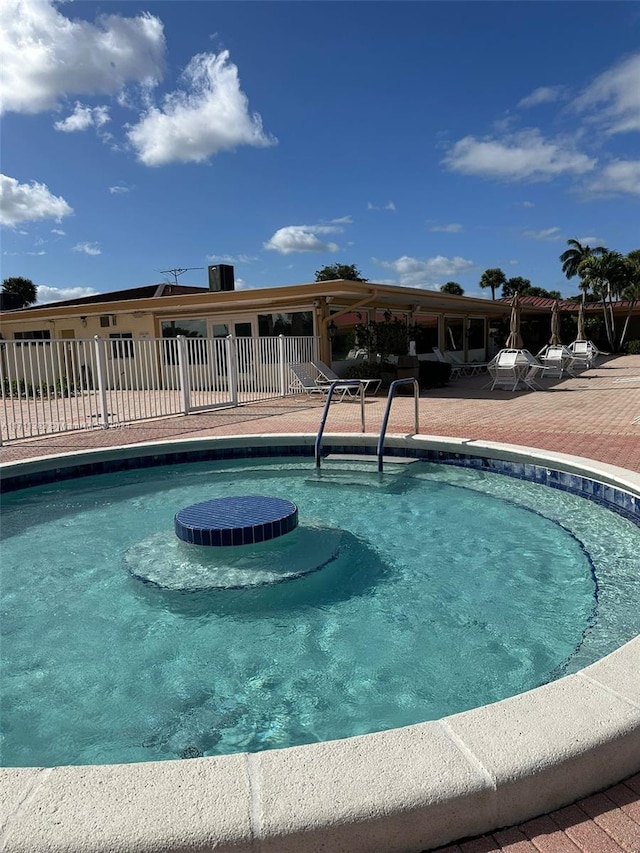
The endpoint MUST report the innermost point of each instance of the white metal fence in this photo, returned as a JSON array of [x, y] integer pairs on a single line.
[[51, 386]]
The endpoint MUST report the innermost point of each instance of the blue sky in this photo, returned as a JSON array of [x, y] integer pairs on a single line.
[[423, 141]]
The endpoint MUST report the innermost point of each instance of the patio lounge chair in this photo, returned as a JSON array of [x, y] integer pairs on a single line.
[[306, 379], [456, 369], [462, 368], [326, 374]]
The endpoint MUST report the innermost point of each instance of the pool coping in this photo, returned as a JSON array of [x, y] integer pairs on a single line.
[[399, 790]]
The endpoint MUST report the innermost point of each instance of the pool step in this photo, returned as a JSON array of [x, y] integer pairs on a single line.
[[357, 457]]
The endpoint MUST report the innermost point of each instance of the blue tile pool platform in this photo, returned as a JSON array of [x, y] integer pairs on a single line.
[[233, 521], [612, 497]]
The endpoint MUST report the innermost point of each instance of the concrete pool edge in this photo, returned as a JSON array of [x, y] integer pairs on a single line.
[[400, 790]]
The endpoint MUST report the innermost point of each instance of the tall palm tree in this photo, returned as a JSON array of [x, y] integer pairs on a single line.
[[23, 289], [631, 290], [575, 255], [493, 278], [606, 275]]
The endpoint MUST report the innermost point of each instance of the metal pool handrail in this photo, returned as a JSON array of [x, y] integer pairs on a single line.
[[385, 419], [338, 384]]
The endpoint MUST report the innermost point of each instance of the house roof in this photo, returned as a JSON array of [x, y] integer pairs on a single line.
[[545, 303], [181, 299], [148, 291]]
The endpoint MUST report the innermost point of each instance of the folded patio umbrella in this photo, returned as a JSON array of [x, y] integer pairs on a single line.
[[514, 341], [554, 340]]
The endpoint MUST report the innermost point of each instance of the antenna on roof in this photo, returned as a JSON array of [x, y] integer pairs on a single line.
[[178, 271]]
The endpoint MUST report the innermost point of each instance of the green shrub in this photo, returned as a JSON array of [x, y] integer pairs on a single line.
[[633, 348]]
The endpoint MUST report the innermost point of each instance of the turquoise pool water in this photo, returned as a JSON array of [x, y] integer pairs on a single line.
[[450, 588]]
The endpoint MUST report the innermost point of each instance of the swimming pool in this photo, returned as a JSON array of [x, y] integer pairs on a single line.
[[321, 761]]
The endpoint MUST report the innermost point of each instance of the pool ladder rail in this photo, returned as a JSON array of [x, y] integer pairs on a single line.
[[385, 420]]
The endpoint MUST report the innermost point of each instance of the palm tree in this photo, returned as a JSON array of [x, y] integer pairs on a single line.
[[493, 278], [23, 289], [631, 291], [606, 274], [573, 257]]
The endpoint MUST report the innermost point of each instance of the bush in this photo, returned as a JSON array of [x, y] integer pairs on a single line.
[[366, 370], [434, 374], [632, 348]]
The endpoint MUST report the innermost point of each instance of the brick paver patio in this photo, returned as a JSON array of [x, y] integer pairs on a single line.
[[591, 415]]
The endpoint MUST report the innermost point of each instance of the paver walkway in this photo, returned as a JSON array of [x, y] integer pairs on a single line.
[[591, 415]]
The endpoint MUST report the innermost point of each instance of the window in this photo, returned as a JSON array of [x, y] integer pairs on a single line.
[[298, 323], [196, 353], [107, 320], [122, 345], [33, 337]]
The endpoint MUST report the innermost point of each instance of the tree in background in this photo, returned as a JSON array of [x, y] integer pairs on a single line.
[[514, 285], [23, 290], [453, 288], [493, 278], [574, 256], [333, 272], [606, 275], [540, 291], [631, 290], [523, 287]]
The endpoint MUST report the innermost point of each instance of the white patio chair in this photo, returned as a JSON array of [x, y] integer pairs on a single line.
[[556, 360], [326, 374], [584, 353], [504, 369]]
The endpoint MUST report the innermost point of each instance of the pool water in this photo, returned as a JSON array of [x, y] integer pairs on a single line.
[[451, 588]]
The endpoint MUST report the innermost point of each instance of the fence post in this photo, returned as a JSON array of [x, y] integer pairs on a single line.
[[232, 369], [283, 386], [101, 371], [183, 374]]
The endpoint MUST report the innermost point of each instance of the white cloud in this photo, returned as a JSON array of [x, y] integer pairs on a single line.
[[83, 117], [41, 252], [525, 204], [513, 263], [29, 202], [231, 259], [59, 232], [413, 272], [523, 156], [591, 241], [58, 294], [119, 189], [210, 115], [616, 94], [619, 176], [46, 55], [545, 234], [343, 220], [87, 248], [388, 206], [451, 228], [542, 95], [302, 238]]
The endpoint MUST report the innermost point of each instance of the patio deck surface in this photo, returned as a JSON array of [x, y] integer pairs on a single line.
[[591, 415]]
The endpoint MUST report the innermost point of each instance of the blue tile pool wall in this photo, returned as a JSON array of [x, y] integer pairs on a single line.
[[617, 500]]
